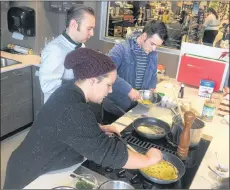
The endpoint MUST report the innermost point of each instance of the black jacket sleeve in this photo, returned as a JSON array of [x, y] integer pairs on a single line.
[[82, 132]]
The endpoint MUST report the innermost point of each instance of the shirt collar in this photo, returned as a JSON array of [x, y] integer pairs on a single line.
[[78, 91], [133, 43], [78, 45], [136, 46]]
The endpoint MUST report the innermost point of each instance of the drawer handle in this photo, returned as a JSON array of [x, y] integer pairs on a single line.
[[18, 73], [3, 78]]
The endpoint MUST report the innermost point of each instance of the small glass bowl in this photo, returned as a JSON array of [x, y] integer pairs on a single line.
[[84, 181]]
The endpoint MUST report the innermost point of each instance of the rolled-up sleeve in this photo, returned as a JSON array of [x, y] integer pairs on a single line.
[[83, 134]]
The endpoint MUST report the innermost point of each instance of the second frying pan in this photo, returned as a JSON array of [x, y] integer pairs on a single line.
[[148, 122]]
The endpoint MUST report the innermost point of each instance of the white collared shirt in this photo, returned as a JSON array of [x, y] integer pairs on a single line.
[[52, 70]]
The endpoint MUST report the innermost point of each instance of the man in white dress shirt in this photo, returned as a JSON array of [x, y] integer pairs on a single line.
[[80, 24]]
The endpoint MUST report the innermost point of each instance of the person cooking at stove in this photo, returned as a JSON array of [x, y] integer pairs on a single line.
[[136, 60], [66, 130]]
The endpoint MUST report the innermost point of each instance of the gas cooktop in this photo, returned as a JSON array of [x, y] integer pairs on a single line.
[[141, 144]]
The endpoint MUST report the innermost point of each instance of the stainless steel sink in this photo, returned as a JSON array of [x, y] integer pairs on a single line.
[[8, 62]]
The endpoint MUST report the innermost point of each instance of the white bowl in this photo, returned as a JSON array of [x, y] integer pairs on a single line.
[[222, 170]]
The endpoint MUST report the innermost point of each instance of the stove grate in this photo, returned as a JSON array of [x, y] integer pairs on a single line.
[[145, 145]]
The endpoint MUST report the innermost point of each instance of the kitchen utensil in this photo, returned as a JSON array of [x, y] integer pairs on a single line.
[[174, 112], [184, 109], [178, 105], [155, 98], [119, 123], [64, 187], [173, 160], [123, 111], [124, 142], [115, 184], [148, 122], [183, 147], [213, 171], [195, 132]]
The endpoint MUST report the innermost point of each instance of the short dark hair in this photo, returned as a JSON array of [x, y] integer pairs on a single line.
[[156, 27], [77, 13]]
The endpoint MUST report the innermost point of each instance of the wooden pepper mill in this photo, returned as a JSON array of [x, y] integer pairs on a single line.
[[183, 147]]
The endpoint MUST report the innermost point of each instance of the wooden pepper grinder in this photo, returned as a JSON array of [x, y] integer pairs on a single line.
[[182, 150]]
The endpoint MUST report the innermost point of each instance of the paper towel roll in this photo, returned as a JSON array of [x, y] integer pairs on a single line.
[[17, 35]]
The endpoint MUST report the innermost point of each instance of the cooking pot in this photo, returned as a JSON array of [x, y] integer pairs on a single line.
[[115, 184], [195, 131]]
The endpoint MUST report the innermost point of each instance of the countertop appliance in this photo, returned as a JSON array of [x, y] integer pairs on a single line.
[[22, 20], [141, 144]]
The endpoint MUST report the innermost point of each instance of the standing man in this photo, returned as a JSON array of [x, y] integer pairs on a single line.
[[136, 61], [80, 24]]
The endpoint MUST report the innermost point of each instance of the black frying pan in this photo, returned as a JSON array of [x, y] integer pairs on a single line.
[[148, 122], [167, 157], [173, 160]]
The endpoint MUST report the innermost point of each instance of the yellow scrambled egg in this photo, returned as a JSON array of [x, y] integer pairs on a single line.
[[163, 170], [146, 102]]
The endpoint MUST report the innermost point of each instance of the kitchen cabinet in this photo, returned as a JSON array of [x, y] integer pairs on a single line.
[[16, 99], [38, 96]]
